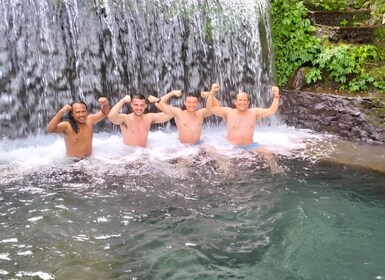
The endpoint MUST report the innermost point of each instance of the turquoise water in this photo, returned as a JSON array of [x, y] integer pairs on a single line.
[[192, 213]]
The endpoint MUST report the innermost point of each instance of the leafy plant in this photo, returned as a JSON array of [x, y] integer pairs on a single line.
[[378, 9], [358, 4], [293, 37], [344, 22], [345, 64], [378, 75], [329, 5]]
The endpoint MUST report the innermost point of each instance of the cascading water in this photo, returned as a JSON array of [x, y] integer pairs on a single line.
[[54, 52], [170, 210]]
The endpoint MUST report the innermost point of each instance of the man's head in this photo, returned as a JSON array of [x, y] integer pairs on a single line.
[[79, 111], [138, 104], [191, 102], [78, 114], [242, 101]]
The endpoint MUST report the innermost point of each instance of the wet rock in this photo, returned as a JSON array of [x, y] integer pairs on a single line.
[[353, 118], [298, 79]]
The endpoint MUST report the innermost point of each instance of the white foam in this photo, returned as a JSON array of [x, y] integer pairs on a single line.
[[10, 240], [46, 150], [40, 274], [5, 257], [35, 219]]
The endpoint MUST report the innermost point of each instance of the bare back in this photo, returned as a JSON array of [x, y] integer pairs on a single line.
[[240, 126]]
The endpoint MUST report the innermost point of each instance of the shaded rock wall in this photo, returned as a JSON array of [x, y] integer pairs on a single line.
[[353, 118]]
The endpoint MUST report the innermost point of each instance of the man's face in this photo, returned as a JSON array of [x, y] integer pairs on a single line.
[[242, 101], [79, 112], [138, 106], [191, 103]]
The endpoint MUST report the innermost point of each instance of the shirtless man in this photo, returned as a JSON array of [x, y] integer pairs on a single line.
[[136, 125], [78, 130], [189, 121], [241, 121]]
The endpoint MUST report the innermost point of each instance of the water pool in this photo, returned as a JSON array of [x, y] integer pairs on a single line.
[[171, 213]]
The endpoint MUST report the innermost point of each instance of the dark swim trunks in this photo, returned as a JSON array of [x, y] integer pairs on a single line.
[[249, 147]]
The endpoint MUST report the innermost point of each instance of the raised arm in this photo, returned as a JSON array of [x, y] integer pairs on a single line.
[[264, 112], [114, 115], [103, 113], [213, 105], [162, 102], [54, 126], [160, 117]]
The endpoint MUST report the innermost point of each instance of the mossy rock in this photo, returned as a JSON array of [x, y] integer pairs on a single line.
[[379, 112], [338, 18], [379, 34]]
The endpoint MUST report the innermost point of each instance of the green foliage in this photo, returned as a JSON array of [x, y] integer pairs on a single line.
[[358, 4], [346, 65], [329, 5], [378, 9], [293, 38], [344, 22], [378, 75]]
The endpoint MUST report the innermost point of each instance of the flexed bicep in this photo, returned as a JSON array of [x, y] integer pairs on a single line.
[[160, 117]]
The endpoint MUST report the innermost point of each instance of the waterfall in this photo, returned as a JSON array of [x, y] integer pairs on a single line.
[[53, 52]]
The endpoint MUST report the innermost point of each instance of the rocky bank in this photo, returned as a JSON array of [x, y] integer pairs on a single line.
[[354, 118]]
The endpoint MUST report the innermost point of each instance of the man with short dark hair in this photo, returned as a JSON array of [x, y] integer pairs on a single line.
[[136, 125], [78, 130], [190, 120]]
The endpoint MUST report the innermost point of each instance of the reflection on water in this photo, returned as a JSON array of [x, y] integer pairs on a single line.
[[188, 212]]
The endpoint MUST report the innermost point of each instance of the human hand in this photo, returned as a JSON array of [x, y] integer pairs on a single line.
[[177, 93], [127, 99], [275, 91], [66, 108], [153, 99], [214, 88], [103, 101]]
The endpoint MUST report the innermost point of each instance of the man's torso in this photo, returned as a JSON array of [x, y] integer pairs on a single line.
[[240, 127], [135, 130], [189, 126]]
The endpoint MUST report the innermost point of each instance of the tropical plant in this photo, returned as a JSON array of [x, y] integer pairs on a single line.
[[346, 65], [295, 43]]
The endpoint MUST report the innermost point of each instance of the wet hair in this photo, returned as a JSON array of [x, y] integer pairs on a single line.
[[193, 94], [71, 119], [139, 96]]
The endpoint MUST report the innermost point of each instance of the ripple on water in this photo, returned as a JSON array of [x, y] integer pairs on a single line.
[[201, 213]]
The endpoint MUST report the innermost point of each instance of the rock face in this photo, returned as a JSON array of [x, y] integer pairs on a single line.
[[348, 26], [353, 118]]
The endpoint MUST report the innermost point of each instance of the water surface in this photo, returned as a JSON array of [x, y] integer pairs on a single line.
[[174, 211]]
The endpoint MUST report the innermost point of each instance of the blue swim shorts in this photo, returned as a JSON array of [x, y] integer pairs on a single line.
[[249, 147]]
